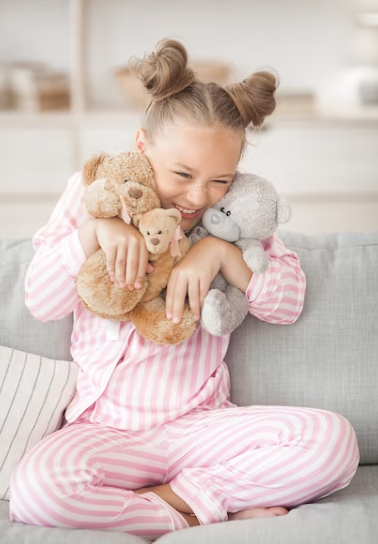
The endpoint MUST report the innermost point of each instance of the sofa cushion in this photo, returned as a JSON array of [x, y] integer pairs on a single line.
[[18, 328], [329, 358], [34, 393]]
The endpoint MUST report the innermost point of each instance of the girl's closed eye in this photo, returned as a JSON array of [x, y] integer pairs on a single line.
[[188, 176]]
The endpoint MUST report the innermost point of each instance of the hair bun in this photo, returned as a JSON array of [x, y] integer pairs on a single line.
[[254, 97], [164, 72]]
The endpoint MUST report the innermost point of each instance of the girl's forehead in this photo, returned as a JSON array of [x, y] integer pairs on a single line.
[[190, 145]]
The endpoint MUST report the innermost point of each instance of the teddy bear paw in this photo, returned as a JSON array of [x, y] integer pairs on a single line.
[[215, 311]]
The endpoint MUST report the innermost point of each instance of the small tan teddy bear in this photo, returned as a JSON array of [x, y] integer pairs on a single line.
[[123, 185], [167, 245]]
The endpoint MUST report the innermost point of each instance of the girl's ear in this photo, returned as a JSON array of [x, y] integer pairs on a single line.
[[141, 140]]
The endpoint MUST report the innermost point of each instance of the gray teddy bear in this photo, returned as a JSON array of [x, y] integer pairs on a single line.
[[250, 211]]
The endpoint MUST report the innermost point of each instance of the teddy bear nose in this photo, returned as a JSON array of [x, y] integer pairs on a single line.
[[155, 241], [215, 219], [135, 193]]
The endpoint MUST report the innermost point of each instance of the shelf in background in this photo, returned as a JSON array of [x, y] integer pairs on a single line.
[[115, 118]]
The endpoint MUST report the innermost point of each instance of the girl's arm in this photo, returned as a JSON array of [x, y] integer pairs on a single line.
[[50, 286], [62, 247], [277, 295]]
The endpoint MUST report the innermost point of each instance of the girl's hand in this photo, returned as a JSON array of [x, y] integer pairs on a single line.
[[125, 250], [193, 276]]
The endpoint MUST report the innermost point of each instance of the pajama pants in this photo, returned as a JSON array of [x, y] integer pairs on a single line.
[[217, 461]]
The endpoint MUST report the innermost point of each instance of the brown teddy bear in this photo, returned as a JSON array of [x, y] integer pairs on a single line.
[[123, 185], [117, 185]]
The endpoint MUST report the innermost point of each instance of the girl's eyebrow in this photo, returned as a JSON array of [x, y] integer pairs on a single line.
[[180, 165]]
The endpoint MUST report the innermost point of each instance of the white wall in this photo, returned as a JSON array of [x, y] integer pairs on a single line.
[[34, 31], [307, 41]]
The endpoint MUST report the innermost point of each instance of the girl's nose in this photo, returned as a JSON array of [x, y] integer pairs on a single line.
[[198, 196]]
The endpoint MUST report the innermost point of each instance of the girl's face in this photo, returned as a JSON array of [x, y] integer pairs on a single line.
[[193, 166]]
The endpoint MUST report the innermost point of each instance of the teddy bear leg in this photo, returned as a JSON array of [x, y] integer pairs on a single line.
[[102, 297], [222, 313], [150, 321]]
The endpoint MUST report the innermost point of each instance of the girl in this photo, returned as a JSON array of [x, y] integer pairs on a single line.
[[151, 442]]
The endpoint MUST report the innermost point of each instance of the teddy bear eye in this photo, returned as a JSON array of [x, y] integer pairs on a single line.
[[222, 210], [228, 213], [148, 233], [160, 232], [125, 181]]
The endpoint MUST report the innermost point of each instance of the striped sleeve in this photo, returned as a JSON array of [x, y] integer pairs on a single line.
[[50, 286], [277, 295]]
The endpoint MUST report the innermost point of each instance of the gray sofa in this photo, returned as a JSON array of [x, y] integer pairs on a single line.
[[328, 359]]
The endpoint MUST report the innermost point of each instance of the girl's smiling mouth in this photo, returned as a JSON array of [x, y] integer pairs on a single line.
[[187, 213]]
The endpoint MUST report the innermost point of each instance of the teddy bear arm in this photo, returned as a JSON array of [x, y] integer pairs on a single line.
[[254, 255], [158, 279], [197, 234]]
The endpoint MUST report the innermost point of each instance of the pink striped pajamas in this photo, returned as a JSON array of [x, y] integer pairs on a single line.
[[145, 415]]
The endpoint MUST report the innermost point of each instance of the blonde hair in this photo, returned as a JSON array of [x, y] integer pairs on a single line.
[[177, 93]]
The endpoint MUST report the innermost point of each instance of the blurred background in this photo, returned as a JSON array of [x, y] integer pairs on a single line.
[[65, 94]]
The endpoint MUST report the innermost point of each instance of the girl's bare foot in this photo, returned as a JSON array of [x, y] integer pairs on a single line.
[[258, 513]]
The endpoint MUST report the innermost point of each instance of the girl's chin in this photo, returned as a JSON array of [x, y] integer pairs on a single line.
[[188, 224]]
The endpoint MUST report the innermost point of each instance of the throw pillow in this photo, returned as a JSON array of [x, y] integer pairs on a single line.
[[34, 392]]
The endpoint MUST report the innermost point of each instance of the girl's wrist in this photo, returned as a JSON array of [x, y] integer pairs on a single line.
[[234, 268]]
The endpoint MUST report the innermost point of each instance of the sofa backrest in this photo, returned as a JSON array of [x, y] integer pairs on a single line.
[[18, 328], [328, 359]]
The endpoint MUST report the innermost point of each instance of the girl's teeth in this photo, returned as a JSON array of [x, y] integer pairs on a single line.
[[186, 211]]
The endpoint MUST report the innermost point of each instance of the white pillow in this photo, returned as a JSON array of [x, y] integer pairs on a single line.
[[34, 392]]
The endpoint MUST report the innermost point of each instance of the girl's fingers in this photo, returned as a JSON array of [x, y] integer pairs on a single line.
[[142, 267], [203, 290], [194, 297], [120, 266], [171, 287], [132, 263], [111, 254], [179, 297]]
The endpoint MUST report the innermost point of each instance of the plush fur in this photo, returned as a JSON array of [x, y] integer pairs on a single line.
[[123, 185], [250, 212]]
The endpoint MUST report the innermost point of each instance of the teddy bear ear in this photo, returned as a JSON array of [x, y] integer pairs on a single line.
[[90, 167], [283, 210], [175, 214], [136, 219]]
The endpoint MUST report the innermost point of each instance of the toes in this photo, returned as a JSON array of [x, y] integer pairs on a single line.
[[278, 511]]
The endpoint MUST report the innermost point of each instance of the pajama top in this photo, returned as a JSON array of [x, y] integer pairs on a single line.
[[125, 381]]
